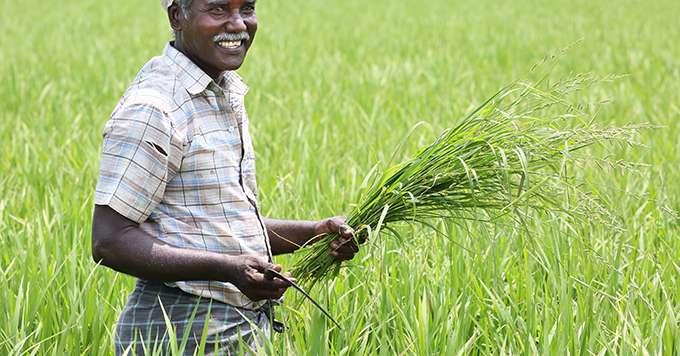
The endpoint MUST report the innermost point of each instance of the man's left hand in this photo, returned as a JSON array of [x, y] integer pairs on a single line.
[[345, 247]]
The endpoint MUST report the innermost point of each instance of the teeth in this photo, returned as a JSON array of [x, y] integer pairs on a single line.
[[229, 44]]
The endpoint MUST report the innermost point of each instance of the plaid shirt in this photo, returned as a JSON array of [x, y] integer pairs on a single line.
[[178, 159]]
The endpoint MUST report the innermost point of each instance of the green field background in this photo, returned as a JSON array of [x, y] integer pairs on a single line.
[[335, 88]]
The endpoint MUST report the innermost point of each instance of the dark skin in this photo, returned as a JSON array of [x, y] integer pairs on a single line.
[[194, 36], [122, 245]]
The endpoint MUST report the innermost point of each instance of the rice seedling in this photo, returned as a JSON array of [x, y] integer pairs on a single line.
[[329, 98], [508, 158]]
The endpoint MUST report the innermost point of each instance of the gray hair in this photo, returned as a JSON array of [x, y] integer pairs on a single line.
[[185, 6]]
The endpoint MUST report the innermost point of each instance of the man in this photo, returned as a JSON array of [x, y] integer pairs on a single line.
[[176, 203]]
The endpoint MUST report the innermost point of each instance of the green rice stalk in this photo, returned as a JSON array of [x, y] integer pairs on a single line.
[[509, 157]]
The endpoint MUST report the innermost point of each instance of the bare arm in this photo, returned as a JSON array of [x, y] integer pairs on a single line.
[[286, 236], [120, 244]]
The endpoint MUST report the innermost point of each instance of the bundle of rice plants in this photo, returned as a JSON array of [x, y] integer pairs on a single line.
[[509, 158]]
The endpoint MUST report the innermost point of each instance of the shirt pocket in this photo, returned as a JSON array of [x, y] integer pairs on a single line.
[[210, 172]]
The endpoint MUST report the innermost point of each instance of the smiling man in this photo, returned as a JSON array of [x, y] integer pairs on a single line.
[[176, 204]]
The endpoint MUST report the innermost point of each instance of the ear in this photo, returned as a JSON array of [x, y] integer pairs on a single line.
[[175, 17]]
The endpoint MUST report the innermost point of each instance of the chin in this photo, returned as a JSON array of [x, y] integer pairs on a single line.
[[232, 64]]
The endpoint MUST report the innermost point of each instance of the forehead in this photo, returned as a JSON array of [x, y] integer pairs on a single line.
[[224, 2]]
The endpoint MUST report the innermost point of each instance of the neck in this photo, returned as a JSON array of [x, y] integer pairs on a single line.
[[179, 45]]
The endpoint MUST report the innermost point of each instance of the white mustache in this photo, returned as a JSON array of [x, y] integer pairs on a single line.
[[241, 36]]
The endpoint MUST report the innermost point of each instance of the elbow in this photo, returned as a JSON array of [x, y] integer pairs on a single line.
[[98, 250], [107, 250], [104, 233], [96, 253], [101, 248]]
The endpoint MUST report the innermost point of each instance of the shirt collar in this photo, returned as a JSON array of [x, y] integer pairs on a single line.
[[195, 80], [232, 82]]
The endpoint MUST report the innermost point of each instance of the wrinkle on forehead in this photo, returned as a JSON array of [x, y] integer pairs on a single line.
[[225, 2]]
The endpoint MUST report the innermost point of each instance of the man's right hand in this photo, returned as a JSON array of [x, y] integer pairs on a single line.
[[121, 244], [251, 281]]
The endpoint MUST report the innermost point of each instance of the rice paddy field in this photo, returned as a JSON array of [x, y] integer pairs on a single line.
[[336, 86]]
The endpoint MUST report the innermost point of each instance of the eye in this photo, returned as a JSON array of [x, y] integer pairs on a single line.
[[248, 9], [217, 11]]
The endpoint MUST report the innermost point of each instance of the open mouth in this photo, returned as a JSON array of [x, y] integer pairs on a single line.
[[230, 44]]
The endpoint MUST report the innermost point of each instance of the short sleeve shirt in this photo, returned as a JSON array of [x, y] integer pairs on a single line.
[[177, 158]]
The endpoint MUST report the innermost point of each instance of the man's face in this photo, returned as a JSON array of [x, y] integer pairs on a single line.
[[217, 33]]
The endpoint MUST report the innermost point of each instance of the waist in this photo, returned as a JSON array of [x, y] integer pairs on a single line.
[[147, 293], [222, 292]]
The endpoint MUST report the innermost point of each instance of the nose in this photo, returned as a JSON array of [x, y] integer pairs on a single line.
[[235, 23]]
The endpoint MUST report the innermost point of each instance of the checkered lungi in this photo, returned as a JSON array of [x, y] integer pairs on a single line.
[[141, 328]]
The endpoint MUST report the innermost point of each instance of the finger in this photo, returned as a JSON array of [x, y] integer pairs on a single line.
[[344, 256], [345, 243], [260, 264], [349, 247], [261, 282], [355, 247], [279, 293], [289, 278], [346, 231], [270, 266], [278, 284], [337, 224], [283, 282], [348, 243]]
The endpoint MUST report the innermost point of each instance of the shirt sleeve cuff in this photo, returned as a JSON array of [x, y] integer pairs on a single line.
[[121, 207]]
